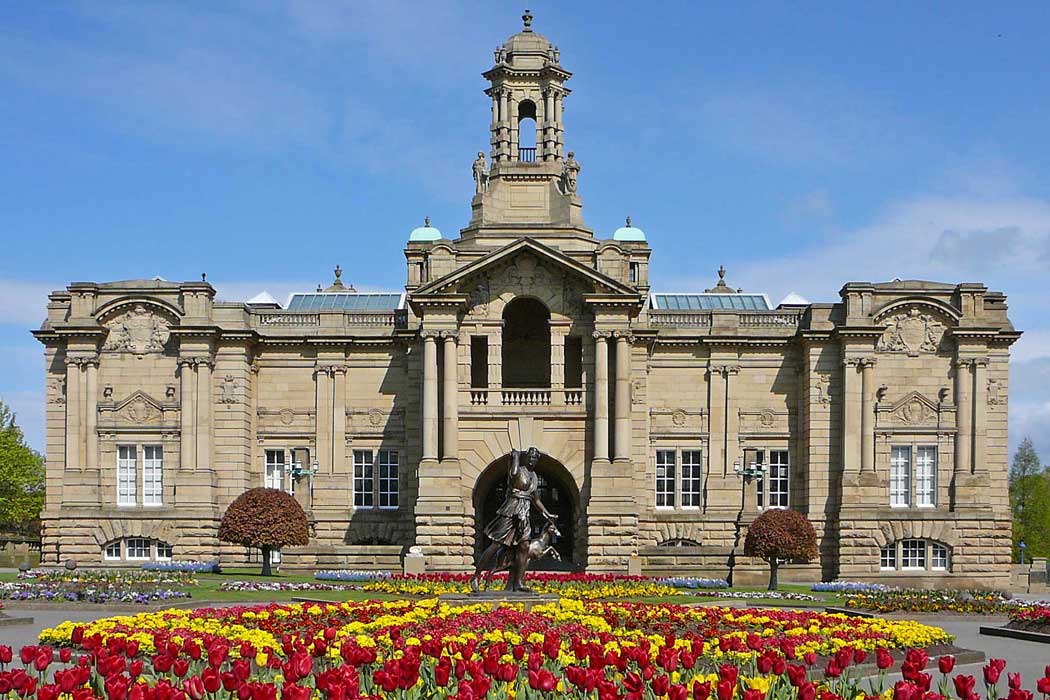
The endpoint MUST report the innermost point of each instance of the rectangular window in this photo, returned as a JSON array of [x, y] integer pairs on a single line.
[[888, 557], [163, 551], [632, 272], [926, 476], [112, 551], [275, 469], [152, 475], [573, 362], [692, 478], [900, 477], [389, 465], [364, 479], [138, 548], [665, 468], [913, 554], [479, 362], [777, 473], [127, 478], [938, 556]]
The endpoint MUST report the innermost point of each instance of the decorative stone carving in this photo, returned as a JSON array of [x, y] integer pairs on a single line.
[[823, 387], [570, 171], [287, 416], [169, 392], [481, 174], [228, 389], [139, 410], [911, 332], [914, 411], [767, 418], [995, 393], [678, 417], [478, 298], [637, 388], [107, 392], [57, 390], [375, 417], [138, 331]]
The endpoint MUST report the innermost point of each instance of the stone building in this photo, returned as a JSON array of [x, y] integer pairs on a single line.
[[667, 422]]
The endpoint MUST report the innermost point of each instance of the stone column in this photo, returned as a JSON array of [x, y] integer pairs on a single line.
[[515, 137], [717, 458], [851, 416], [601, 396], [323, 416], [187, 413], [867, 416], [980, 414], [204, 401], [430, 395], [558, 364], [74, 406], [964, 416], [91, 414], [450, 398], [339, 380], [622, 436]]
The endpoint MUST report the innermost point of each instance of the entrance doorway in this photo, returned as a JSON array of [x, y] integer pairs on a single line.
[[557, 490]]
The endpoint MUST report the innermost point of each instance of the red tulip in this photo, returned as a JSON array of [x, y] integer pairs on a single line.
[[903, 690], [65, 654], [180, 666], [753, 694], [1043, 685], [725, 690], [660, 684], [677, 692], [992, 670], [883, 659], [946, 663], [1013, 680], [542, 680], [43, 659], [6, 654], [701, 690], [1019, 694], [807, 691]]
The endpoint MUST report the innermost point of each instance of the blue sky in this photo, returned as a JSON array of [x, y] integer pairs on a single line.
[[801, 145]]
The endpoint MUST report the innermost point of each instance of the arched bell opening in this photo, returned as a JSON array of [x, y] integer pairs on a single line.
[[559, 493]]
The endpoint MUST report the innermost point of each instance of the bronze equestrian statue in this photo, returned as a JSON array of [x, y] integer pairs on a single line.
[[510, 531]]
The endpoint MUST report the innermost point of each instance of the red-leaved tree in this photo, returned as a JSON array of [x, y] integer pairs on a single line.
[[781, 535], [265, 518]]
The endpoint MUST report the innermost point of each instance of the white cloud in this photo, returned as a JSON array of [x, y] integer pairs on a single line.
[[808, 207]]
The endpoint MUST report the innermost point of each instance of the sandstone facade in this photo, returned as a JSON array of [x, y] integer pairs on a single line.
[[666, 422]]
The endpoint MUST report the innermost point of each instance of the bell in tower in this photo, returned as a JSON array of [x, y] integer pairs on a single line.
[[530, 179]]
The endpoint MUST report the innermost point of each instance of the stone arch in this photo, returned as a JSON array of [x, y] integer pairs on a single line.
[[559, 492], [107, 531], [167, 310], [938, 307], [673, 532], [936, 530]]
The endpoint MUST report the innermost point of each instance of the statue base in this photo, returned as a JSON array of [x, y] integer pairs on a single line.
[[496, 599]]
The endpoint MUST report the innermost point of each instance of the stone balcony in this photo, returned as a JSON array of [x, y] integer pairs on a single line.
[[504, 397]]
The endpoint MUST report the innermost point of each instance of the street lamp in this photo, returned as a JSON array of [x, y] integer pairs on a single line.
[[1022, 546]]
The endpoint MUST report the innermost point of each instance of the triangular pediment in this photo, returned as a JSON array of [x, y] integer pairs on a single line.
[[547, 256], [911, 398], [139, 397], [913, 409]]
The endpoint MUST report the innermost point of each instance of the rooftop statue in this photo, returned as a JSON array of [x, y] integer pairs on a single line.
[[510, 531], [569, 172], [481, 174]]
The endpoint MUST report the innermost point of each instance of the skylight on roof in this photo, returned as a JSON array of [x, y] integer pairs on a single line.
[[346, 301], [710, 302]]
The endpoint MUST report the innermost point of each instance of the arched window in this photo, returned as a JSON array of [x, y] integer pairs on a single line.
[[915, 554], [526, 344], [526, 131]]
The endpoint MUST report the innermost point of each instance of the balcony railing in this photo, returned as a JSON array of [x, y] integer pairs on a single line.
[[397, 318], [526, 154], [691, 319], [526, 397]]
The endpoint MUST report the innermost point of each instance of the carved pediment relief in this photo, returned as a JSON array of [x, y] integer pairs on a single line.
[[524, 274], [764, 421], [912, 331], [139, 408], [139, 330], [677, 420], [286, 420], [915, 409]]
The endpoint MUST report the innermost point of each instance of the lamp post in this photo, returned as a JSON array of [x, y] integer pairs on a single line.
[[1022, 546]]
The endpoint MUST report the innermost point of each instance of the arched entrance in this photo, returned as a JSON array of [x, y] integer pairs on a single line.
[[526, 344], [558, 492]]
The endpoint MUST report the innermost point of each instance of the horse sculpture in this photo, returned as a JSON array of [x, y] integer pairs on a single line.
[[538, 549]]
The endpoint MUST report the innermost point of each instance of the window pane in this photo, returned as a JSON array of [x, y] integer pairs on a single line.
[[938, 556], [913, 554], [778, 479], [163, 551], [692, 478], [152, 475], [138, 548], [363, 479], [113, 550], [127, 481], [900, 476], [275, 469], [888, 556], [389, 463], [665, 475], [926, 476]]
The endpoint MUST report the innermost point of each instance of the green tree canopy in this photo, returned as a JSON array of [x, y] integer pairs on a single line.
[[21, 478], [1030, 501]]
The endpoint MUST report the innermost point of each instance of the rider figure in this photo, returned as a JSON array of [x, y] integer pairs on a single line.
[[510, 529]]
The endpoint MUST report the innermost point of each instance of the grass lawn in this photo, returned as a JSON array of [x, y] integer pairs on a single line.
[[207, 590]]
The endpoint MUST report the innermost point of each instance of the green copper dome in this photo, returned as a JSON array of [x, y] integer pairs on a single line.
[[629, 233], [426, 232]]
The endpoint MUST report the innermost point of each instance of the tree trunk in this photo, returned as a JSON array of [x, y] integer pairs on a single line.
[[773, 566], [266, 562]]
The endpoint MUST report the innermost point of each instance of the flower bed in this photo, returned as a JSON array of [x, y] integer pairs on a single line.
[[96, 593], [570, 649], [192, 567], [122, 577], [929, 601], [283, 586], [848, 587], [692, 582], [350, 575], [580, 586], [757, 595]]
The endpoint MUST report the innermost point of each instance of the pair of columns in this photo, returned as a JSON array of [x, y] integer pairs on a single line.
[[330, 421], [622, 417], [971, 380], [858, 429], [195, 404], [82, 412], [449, 392]]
